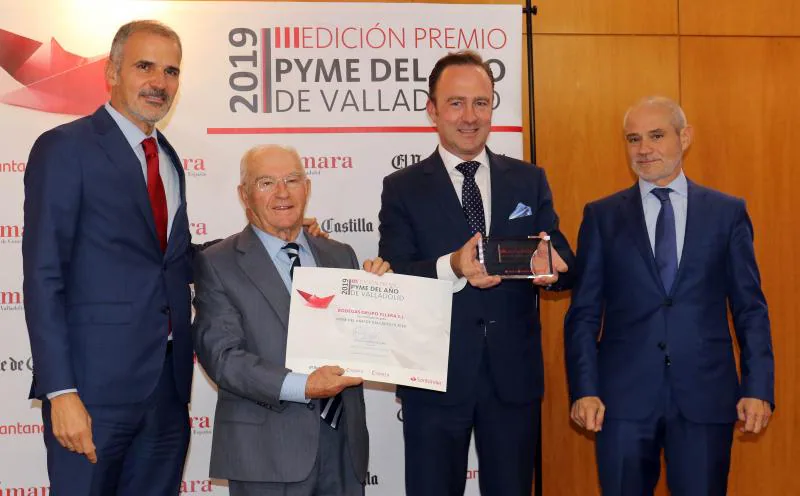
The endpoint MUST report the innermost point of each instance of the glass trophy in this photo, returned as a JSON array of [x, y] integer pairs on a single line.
[[525, 257]]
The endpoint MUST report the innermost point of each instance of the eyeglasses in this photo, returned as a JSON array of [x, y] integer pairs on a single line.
[[269, 184]]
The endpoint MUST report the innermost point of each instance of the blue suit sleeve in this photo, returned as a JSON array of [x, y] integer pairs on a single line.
[[547, 221], [583, 320], [749, 311], [397, 242], [52, 209]]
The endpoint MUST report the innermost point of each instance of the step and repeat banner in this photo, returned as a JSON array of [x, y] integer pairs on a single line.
[[345, 84]]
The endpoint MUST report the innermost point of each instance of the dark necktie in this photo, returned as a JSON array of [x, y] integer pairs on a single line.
[[666, 246], [331, 408], [155, 190], [293, 252], [471, 201]]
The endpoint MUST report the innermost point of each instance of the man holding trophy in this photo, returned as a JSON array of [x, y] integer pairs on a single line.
[[434, 217]]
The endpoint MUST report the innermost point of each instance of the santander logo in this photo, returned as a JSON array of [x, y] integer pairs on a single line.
[[19, 429], [315, 301], [13, 166], [425, 380]]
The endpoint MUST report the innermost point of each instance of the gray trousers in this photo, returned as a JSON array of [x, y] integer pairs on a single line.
[[332, 475]]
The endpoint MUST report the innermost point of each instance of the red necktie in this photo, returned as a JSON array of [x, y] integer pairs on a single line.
[[155, 190]]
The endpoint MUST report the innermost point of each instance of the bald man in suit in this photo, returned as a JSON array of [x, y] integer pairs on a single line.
[[649, 352]]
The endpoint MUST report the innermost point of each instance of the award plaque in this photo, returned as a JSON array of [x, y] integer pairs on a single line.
[[517, 258]]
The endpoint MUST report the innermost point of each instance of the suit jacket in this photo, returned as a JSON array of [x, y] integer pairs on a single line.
[[620, 291], [99, 293], [240, 332], [421, 219]]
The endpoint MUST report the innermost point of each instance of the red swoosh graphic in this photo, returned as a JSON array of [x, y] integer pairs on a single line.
[[54, 80], [315, 301]]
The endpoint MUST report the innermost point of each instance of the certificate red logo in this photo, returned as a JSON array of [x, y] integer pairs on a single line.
[[315, 301]]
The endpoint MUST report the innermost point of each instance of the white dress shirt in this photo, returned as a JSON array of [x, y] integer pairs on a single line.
[[483, 180]]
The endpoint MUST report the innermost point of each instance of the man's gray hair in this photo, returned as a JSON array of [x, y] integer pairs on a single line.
[[133, 27], [250, 154], [677, 116]]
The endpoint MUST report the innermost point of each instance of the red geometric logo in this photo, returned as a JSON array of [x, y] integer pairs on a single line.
[[315, 301], [55, 80]]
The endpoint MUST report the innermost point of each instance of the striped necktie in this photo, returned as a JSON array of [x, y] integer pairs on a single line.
[[293, 252]]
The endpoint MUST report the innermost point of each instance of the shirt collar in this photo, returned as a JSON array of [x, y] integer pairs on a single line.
[[679, 185], [451, 161], [274, 245], [132, 133]]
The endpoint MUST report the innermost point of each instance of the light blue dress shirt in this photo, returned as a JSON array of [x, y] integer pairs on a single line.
[[169, 176], [294, 385], [652, 206]]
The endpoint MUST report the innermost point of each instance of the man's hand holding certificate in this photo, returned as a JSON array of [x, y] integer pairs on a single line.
[[391, 328]]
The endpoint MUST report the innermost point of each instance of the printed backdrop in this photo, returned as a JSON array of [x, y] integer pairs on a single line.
[[345, 84]]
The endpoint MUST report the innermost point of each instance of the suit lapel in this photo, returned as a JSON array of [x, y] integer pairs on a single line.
[[633, 214], [257, 265], [176, 164], [439, 191], [321, 257], [120, 154], [502, 186], [694, 227]]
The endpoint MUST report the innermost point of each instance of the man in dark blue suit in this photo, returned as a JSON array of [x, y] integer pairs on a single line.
[[433, 215], [107, 265], [649, 354]]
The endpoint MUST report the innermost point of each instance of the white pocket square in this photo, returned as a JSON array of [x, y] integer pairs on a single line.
[[521, 210]]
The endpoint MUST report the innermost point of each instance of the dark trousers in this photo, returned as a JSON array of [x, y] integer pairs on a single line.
[[141, 447], [437, 441], [697, 455]]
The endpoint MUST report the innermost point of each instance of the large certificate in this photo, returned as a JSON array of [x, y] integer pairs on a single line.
[[389, 328]]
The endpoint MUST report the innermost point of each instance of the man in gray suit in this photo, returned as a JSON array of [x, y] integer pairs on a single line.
[[276, 432]]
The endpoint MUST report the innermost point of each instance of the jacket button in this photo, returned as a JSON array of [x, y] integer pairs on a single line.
[[165, 309], [662, 346], [667, 361], [310, 405], [668, 302], [480, 322]]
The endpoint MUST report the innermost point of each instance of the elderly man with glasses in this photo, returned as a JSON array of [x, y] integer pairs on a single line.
[[276, 431]]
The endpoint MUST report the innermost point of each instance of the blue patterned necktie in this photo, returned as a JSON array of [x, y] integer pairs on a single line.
[[331, 408], [471, 201], [666, 246]]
